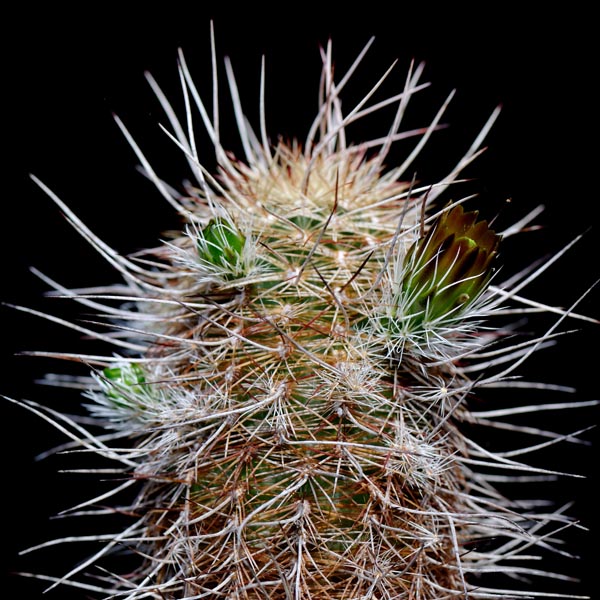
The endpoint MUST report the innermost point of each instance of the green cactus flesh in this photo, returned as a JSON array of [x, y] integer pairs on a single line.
[[295, 384]]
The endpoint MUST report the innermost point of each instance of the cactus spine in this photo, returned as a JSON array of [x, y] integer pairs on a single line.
[[291, 383]]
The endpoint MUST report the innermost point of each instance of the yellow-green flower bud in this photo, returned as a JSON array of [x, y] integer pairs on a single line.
[[448, 268]]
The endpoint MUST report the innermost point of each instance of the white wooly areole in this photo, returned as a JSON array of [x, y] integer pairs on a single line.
[[289, 379]]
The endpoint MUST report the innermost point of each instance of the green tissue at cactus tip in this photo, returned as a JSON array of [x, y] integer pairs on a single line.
[[220, 244], [119, 379], [449, 267]]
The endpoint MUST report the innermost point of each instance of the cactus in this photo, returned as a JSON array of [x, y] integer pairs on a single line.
[[291, 381]]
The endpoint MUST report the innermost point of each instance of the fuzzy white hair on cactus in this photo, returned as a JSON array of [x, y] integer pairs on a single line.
[[290, 378]]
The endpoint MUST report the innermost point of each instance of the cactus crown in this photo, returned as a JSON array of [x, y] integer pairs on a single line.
[[296, 372]]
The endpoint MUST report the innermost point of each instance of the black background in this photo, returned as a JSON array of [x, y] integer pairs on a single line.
[[65, 72]]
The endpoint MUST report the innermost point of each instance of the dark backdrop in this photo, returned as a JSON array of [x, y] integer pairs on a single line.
[[65, 72]]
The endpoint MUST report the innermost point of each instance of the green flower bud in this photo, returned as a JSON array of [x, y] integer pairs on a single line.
[[120, 379], [448, 268], [221, 245]]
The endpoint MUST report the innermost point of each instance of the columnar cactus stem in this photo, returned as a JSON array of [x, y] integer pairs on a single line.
[[291, 381]]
